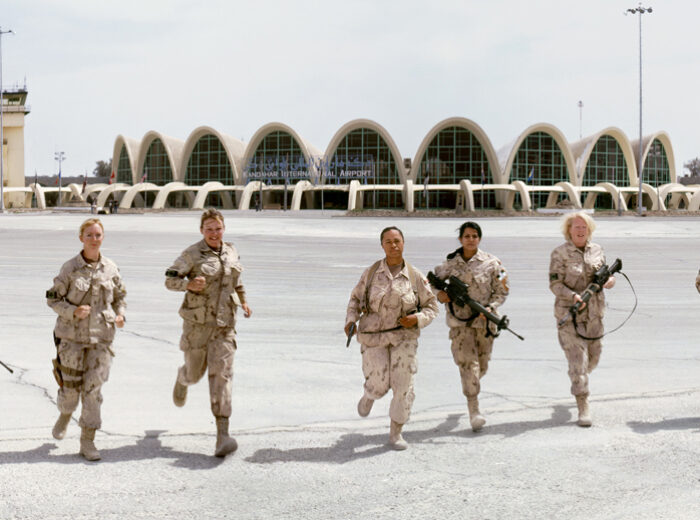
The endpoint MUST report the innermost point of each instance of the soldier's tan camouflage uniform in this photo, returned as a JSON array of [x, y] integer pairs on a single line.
[[570, 272], [208, 334], [86, 343], [389, 358], [697, 282], [471, 345]]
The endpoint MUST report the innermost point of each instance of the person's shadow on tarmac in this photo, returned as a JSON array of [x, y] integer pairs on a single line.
[[354, 446], [147, 448], [680, 423]]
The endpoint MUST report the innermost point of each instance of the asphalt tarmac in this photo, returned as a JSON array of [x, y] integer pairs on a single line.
[[303, 451]]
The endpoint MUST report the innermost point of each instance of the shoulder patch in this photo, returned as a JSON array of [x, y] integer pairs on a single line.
[[51, 294], [172, 273], [553, 277]]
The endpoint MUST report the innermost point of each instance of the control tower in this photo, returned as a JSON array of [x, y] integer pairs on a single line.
[[14, 108]]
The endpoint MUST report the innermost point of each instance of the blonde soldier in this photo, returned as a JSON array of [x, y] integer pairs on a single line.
[[88, 296], [210, 272], [571, 269], [472, 336], [393, 302]]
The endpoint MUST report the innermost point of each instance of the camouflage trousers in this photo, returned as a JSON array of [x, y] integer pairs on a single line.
[[209, 347], [391, 367], [94, 359], [582, 354], [471, 351]]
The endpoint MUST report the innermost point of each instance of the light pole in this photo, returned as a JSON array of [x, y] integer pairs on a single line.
[[2, 130], [640, 10], [60, 157], [580, 119]]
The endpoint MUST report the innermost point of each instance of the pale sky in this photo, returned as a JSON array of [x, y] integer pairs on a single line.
[[97, 69]]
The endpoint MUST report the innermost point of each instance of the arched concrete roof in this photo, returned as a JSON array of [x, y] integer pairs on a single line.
[[356, 124], [235, 150], [665, 140], [474, 129], [581, 150], [133, 147], [310, 152], [173, 149], [506, 155]]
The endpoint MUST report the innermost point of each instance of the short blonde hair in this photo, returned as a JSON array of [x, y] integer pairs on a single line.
[[210, 213], [570, 217], [89, 222]]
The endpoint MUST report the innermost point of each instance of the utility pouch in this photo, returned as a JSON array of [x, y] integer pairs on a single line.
[[57, 371]]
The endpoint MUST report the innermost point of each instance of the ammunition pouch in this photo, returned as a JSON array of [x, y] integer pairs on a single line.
[[60, 370]]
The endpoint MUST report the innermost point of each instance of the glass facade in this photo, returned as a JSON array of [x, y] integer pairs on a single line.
[[124, 168], [209, 162], [157, 165], [278, 157], [606, 164], [539, 162], [656, 169], [364, 155], [454, 154]]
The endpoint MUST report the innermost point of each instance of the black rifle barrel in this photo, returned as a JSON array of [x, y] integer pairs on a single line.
[[8, 368], [457, 290]]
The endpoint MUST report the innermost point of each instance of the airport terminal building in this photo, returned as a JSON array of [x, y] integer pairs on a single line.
[[455, 166]]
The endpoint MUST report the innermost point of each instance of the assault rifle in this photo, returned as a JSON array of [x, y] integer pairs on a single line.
[[458, 291], [350, 333], [8, 368], [601, 276]]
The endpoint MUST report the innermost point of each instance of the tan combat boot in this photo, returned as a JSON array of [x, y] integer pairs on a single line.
[[475, 418], [179, 394], [584, 414], [396, 440], [224, 443], [87, 444], [364, 406], [59, 429]]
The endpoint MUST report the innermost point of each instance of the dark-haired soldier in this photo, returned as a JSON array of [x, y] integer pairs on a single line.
[[393, 301], [471, 334]]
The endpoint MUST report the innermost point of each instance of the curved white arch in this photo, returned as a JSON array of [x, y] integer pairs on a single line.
[[132, 147], [309, 151], [665, 140], [39, 194], [474, 129], [171, 187], [356, 124], [206, 189], [132, 191], [112, 188], [618, 198], [581, 150], [571, 192], [173, 149], [235, 150], [507, 154]]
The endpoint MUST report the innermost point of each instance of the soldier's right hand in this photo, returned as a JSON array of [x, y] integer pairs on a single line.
[[82, 312], [347, 328], [197, 284], [443, 297], [577, 299]]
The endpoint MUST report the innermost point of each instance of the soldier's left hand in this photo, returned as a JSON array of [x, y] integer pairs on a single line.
[[610, 283], [247, 311], [409, 321], [119, 321]]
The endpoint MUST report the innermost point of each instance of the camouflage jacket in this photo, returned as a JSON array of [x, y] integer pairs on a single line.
[[697, 282], [487, 280], [389, 299], [217, 303], [570, 272], [97, 284]]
